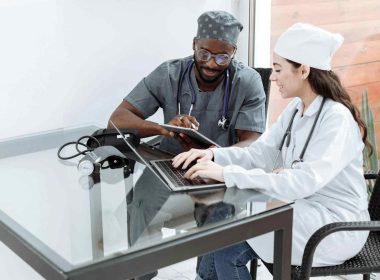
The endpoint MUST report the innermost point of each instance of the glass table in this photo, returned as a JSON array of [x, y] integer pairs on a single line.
[[115, 223]]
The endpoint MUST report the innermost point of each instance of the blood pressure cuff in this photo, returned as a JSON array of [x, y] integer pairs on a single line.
[[110, 137]]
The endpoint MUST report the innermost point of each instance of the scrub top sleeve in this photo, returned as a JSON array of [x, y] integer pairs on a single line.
[[147, 95], [251, 116]]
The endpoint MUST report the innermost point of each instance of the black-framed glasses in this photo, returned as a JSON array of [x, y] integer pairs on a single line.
[[221, 59]]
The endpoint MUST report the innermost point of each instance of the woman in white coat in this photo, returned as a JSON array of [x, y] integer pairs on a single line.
[[312, 155]]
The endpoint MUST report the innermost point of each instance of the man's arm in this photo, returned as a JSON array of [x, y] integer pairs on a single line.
[[246, 137], [127, 116]]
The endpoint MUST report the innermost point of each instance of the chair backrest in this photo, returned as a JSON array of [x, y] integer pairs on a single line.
[[265, 74], [374, 201]]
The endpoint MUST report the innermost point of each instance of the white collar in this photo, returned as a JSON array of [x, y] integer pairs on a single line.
[[313, 107]]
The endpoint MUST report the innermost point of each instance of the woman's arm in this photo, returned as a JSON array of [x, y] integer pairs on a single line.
[[335, 145]]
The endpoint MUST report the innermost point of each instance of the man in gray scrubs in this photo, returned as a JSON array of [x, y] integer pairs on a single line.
[[209, 90]]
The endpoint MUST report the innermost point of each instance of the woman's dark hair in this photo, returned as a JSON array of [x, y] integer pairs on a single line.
[[327, 84]]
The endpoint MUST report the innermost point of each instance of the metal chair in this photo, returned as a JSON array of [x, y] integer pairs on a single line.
[[365, 262]]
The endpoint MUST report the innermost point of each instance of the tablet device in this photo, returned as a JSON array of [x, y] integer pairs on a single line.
[[192, 133]]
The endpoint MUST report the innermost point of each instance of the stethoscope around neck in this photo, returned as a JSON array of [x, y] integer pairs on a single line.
[[287, 136], [223, 122]]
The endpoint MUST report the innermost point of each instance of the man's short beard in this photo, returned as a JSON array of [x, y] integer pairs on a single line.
[[205, 80]]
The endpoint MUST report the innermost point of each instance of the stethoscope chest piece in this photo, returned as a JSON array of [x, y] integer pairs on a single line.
[[223, 123]]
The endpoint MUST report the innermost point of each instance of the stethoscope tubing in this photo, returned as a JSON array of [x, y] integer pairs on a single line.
[[193, 94], [287, 135]]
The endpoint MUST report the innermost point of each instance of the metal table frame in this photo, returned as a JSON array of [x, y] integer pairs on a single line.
[[149, 259]]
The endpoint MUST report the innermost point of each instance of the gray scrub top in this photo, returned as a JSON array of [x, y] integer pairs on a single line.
[[246, 106]]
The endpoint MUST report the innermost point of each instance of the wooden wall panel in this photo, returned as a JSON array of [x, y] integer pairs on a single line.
[[325, 13], [352, 31], [373, 90], [349, 54], [359, 74], [292, 2]]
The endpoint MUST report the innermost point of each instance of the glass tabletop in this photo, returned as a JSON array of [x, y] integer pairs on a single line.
[[75, 220]]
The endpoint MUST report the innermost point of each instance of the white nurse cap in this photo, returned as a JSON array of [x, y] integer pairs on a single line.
[[308, 45]]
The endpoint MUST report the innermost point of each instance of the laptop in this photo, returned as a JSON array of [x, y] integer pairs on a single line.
[[171, 177]]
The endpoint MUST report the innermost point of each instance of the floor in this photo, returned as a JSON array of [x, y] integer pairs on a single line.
[[186, 271]]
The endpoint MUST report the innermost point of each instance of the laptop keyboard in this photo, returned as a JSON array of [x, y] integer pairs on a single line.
[[177, 175]]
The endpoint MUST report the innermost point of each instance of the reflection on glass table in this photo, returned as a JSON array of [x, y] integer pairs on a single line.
[[116, 223]]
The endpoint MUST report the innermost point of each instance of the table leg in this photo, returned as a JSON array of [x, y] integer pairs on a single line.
[[96, 218], [283, 249]]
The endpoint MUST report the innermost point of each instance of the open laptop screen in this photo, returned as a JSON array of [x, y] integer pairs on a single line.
[[173, 178]]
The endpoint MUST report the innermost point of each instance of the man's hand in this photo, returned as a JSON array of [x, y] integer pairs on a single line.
[[185, 121]]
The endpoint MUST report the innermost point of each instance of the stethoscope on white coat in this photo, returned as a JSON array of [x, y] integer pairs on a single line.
[[287, 137], [223, 122]]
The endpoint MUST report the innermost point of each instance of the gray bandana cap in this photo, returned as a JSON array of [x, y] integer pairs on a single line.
[[219, 25]]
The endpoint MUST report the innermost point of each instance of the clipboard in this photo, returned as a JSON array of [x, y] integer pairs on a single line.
[[192, 133]]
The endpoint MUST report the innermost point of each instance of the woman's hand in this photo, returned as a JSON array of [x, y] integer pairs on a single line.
[[206, 169], [186, 158]]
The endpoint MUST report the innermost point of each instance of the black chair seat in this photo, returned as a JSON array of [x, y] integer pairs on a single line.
[[367, 261]]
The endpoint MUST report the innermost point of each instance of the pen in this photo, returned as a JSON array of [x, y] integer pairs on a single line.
[[193, 126]]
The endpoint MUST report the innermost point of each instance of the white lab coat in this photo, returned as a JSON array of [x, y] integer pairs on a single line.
[[327, 187]]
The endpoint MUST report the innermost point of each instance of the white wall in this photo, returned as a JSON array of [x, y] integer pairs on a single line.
[[262, 53], [68, 62]]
